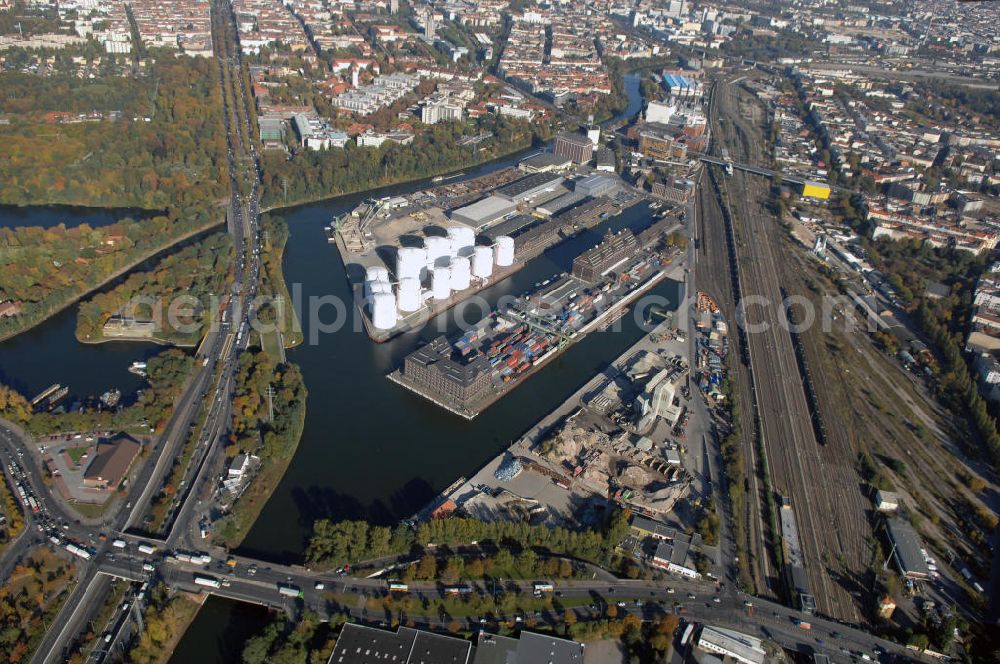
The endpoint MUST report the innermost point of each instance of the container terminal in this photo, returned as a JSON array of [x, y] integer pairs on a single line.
[[468, 373], [409, 258]]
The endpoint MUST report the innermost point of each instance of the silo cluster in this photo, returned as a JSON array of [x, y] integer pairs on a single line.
[[443, 266]]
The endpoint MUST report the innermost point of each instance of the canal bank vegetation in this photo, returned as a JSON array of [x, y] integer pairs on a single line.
[[309, 641], [317, 174], [29, 599], [334, 544], [167, 373], [155, 141], [166, 618], [274, 287], [254, 431], [47, 269], [202, 271]]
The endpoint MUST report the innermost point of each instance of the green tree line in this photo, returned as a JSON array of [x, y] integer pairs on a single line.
[[201, 270]]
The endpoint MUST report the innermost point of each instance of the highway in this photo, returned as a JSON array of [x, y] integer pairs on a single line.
[[211, 384], [789, 440]]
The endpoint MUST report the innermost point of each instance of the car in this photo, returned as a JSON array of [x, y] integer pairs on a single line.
[[691, 596], [320, 585], [747, 603], [716, 599], [670, 591]]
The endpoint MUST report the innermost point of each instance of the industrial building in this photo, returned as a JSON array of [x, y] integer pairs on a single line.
[[359, 644], [112, 459], [643, 528], [682, 86], [658, 400], [596, 185], [815, 190], [575, 146], [676, 554], [906, 549], [741, 647], [616, 247], [529, 648], [886, 501], [433, 367], [544, 163], [484, 212], [529, 186]]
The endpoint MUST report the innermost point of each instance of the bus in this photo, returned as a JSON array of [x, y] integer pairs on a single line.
[[687, 634], [207, 581], [457, 590], [397, 587], [542, 587], [288, 590]]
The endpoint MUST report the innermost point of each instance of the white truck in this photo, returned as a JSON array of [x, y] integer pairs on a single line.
[[147, 549], [119, 544]]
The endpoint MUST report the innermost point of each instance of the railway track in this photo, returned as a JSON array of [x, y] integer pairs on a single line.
[[718, 248], [792, 453]]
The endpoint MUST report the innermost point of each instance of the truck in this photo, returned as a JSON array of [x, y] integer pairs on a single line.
[[803, 624], [147, 549], [119, 544], [208, 581], [289, 590]]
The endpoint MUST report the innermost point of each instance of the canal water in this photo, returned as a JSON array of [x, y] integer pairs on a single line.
[[49, 353], [370, 449]]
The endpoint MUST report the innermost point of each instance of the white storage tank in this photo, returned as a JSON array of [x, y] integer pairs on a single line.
[[441, 282], [373, 274], [410, 261], [504, 249], [383, 311], [408, 294], [438, 251], [462, 239], [482, 262], [461, 273]]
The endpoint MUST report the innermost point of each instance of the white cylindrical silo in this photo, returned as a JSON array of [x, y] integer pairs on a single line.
[[373, 274], [504, 249], [409, 262], [441, 282], [408, 294], [482, 262], [383, 311], [377, 273], [438, 248], [461, 273], [462, 239]]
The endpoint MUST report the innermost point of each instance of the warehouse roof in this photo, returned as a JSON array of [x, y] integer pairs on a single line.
[[906, 548], [483, 211], [359, 644], [546, 161], [112, 460], [528, 183]]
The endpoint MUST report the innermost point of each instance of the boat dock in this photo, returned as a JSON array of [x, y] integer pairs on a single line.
[[467, 374]]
